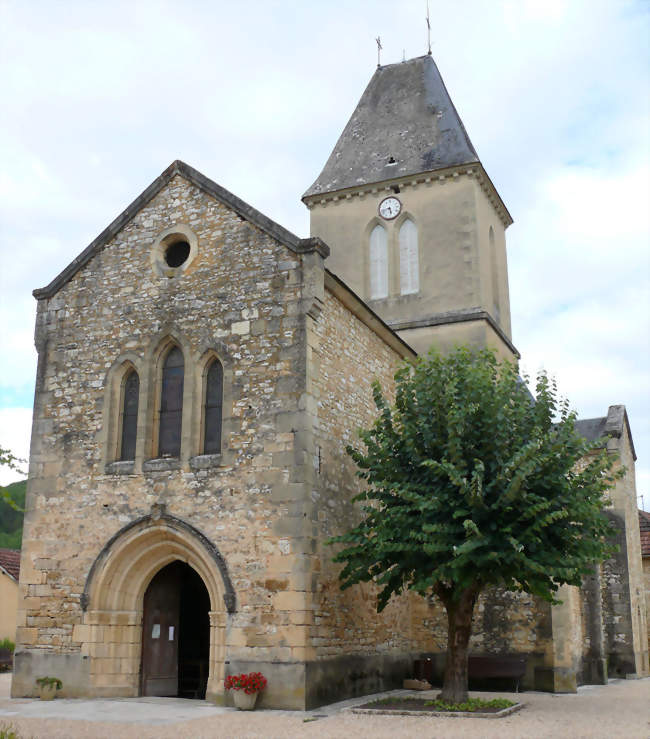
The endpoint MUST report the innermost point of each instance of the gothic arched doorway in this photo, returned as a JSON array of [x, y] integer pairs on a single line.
[[113, 602], [176, 633]]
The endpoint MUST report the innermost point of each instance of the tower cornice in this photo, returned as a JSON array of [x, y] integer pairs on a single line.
[[437, 177]]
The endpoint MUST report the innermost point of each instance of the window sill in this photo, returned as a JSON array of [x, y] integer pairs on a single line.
[[125, 467], [161, 465], [205, 461]]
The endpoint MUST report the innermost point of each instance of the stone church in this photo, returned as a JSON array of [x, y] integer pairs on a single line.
[[200, 372]]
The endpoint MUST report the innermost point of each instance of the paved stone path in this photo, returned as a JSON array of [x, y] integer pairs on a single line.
[[620, 709]]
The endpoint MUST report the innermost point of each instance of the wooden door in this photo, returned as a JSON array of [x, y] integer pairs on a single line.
[[160, 634]]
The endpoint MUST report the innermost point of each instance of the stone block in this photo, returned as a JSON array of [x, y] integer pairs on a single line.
[[109, 680], [72, 669], [237, 637], [290, 601], [241, 328], [286, 683], [329, 680], [99, 651], [409, 684], [303, 654], [305, 618], [294, 636], [26, 635]]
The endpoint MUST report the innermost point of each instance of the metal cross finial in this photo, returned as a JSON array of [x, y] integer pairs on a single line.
[[428, 30], [379, 48]]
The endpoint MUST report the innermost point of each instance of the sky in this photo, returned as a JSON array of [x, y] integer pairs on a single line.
[[100, 97]]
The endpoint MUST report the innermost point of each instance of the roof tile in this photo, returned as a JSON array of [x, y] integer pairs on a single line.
[[10, 561], [404, 124]]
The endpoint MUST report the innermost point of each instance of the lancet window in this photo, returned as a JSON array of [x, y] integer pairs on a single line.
[[378, 263], [408, 258], [213, 408], [171, 404], [130, 400]]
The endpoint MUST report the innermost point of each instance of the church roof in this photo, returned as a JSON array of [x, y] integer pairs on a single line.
[[644, 530], [613, 424], [246, 211], [10, 562], [591, 429], [404, 124]]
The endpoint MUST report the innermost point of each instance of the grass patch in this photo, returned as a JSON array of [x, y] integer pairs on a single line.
[[472, 705], [7, 732]]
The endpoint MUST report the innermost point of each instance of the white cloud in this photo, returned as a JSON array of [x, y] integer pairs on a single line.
[[103, 96], [15, 432]]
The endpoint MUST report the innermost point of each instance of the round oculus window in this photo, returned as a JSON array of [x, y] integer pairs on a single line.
[[173, 251], [177, 253]]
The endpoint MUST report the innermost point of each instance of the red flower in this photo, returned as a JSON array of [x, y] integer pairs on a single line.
[[252, 682]]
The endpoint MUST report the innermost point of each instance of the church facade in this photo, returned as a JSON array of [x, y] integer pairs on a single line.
[[201, 371]]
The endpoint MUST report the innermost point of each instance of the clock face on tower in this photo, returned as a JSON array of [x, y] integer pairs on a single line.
[[390, 208]]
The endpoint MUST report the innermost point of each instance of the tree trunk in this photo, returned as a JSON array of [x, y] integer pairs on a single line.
[[459, 619]]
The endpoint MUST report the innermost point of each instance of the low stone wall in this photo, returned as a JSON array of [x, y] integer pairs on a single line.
[[73, 669]]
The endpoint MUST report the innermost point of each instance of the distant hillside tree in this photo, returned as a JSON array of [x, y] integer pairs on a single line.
[[472, 484], [12, 503]]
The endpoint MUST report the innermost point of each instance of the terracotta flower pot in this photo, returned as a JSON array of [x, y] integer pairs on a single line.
[[245, 701], [47, 692]]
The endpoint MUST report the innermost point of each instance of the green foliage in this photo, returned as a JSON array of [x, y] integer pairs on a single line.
[[7, 732], [12, 504], [49, 682], [472, 483], [7, 644], [471, 704]]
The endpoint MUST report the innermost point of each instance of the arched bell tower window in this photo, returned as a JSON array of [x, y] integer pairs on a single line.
[[378, 263], [130, 399], [171, 404], [213, 408], [408, 258]]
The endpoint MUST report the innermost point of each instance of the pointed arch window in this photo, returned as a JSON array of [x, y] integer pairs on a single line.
[[408, 258], [171, 404], [212, 411], [378, 263], [130, 400]]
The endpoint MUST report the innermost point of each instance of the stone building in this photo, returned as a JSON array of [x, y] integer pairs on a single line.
[[201, 371], [9, 571], [644, 530]]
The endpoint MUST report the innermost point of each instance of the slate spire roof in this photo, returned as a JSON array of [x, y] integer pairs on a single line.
[[404, 124]]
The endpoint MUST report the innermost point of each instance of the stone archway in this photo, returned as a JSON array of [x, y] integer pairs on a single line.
[[113, 599]]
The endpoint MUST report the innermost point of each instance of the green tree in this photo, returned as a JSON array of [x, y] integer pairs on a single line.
[[12, 505], [471, 483], [12, 500]]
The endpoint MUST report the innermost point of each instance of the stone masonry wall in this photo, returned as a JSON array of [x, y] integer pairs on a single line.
[[349, 356], [623, 603], [646, 580], [241, 297]]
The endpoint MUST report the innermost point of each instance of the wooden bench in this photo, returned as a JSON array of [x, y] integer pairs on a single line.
[[497, 665]]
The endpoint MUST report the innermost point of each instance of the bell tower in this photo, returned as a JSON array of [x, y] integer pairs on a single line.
[[415, 226]]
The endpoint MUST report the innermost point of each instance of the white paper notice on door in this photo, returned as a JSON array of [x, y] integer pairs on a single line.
[[171, 633], [155, 632]]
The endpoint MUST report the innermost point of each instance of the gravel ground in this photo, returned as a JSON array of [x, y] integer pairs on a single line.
[[621, 709]]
